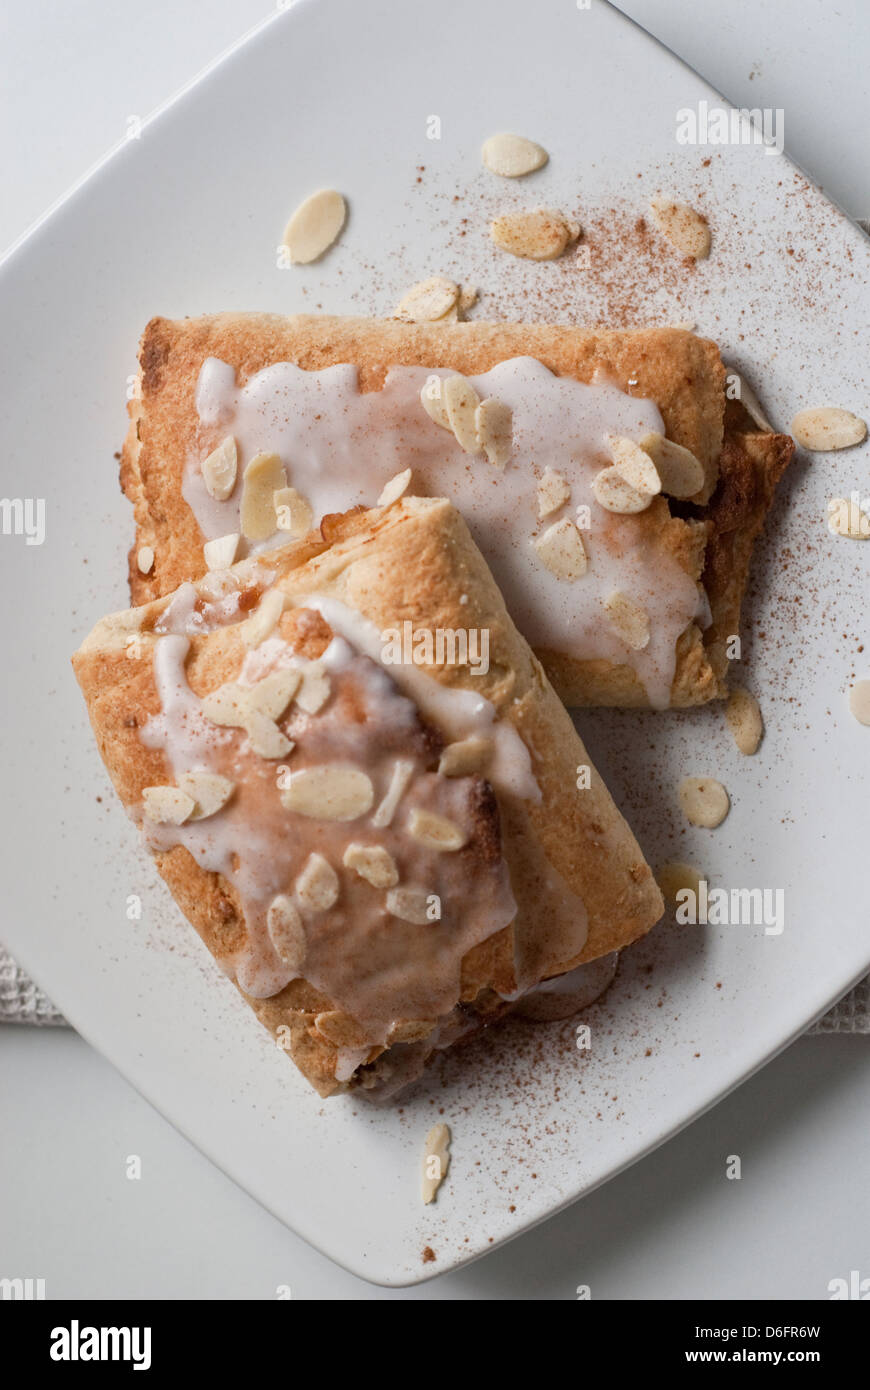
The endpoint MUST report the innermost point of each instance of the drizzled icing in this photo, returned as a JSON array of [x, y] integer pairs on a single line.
[[370, 964], [339, 446]]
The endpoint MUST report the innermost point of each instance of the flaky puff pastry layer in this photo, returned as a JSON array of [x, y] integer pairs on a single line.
[[414, 561], [681, 373]]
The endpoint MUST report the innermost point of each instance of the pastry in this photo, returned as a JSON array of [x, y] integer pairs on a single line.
[[362, 791], [597, 472]]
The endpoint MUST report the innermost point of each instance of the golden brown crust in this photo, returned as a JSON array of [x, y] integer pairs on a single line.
[[572, 842]]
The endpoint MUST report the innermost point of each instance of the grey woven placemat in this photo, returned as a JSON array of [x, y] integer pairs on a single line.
[[21, 1001]]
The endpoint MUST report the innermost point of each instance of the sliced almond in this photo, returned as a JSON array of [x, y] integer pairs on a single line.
[[675, 876], [265, 738], [145, 559], [629, 620], [494, 421], [686, 230], [409, 905], [228, 706], [704, 801], [826, 427], [512, 156], [634, 464], [680, 473], [409, 1030], [465, 757], [315, 690], [859, 701], [468, 298], [751, 404], [220, 553], [263, 477], [436, 832], [167, 805], [460, 401], [287, 931], [436, 1161], [340, 1029], [220, 468], [561, 550], [402, 773], [614, 494], [293, 512], [333, 791], [553, 492], [317, 885], [431, 398], [395, 488], [429, 300], [846, 517], [209, 791], [541, 235], [314, 226], [373, 863], [743, 714], [263, 620], [273, 693]]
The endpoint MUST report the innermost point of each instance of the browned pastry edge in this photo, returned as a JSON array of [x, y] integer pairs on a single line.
[[579, 835]]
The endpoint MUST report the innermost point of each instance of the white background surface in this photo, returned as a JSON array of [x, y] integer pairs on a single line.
[[671, 1227]]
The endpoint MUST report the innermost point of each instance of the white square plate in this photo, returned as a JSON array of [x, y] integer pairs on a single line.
[[185, 220]]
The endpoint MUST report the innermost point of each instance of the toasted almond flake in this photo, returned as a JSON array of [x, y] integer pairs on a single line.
[[859, 701], [685, 229], [431, 398], [395, 488], [287, 931], [561, 550], [167, 805], [429, 300], [512, 156], [634, 464], [467, 756], [293, 512], [273, 693], [228, 706], [220, 468], [265, 738], [314, 226], [218, 584], [409, 1030], [703, 801], [209, 791], [373, 863], [846, 517], [332, 791], [436, 1161], [460, 402], [629, 620], [340, 1029], [751, 404], [614, 494], [468, 298], [743, 714], [680, 473], [553, 492], [541, 235], [824, 428], [145, 559], [436, 832], [409, 905], [674, 877], [402, 773], [220, 553], [263, 477], [315, 690], [494, 422], [263, 620], [317, 885]]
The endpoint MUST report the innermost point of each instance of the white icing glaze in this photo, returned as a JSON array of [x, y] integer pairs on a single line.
[[372, 965], [340, 446]]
